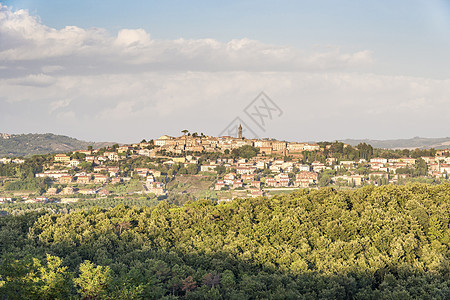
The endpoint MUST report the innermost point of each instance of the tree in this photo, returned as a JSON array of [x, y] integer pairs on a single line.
[[54, 281], [93, 280], [246, 151], [325, 177], [188, 284], [184, 131]]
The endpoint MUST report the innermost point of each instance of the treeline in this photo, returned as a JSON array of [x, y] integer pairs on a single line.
[[58, 207], [365, 151], [389, 242]]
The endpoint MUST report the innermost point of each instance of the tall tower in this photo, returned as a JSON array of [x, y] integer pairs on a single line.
[[240, 131]]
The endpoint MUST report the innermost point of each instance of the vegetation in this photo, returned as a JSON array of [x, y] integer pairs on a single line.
[[246, 151], [412, 143], [388, 242], [31, 144]]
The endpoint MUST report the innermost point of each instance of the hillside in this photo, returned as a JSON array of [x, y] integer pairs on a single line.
[[31, 144], [373, 243], [412, 143]]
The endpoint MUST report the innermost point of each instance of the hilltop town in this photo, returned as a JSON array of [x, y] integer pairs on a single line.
[[193, 166]]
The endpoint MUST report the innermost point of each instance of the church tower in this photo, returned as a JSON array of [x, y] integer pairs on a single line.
[[240, 131]]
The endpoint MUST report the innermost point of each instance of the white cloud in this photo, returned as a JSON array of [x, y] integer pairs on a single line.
[[36, 80], [93, 85], [130, 37], [51, 68], [25, 38]]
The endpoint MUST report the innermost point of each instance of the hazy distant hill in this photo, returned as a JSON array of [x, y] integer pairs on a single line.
[[30, 144], [413, 143]]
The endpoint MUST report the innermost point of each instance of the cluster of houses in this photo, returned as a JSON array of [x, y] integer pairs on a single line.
[[6, 160], [222, 144], [268, 170]]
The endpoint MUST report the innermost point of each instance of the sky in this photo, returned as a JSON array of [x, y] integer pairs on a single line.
[[291, 70]]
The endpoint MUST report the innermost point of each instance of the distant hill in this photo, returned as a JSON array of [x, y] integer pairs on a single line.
[[413, 143], [30, 144]]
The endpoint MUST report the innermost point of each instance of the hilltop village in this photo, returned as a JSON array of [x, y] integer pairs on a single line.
[[194, 166]]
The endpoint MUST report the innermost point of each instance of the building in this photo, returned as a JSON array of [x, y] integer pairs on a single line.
[[62, 158], [65, 179], [219, 185], [84, 179]]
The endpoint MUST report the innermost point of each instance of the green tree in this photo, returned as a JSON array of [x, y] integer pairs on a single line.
[[93, 281]]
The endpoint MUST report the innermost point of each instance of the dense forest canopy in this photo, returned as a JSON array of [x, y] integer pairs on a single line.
[[388, 242]]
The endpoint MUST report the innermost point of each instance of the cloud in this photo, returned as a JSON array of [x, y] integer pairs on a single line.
[[36, 80], [25, 39], [132, 38], [94, 85]]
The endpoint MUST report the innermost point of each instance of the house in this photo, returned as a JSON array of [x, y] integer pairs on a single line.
[[55, 174], [144, 152], [67, 190], [319, 167], [208, 168], [90, 158], [74, 163], [303, 183], [348, 164], [295, 147], [266, 150], [219, 185], [444, 168], [179, 159], [84, 179], [155, 173], [163, 140], [104, 192], [282, 179], [113, 171], [142, 172], [244, 170], [113, 156], [331, 160], [157, 188], [303, 167], [100, 179], [256, 184], [123, 149], [65, 179], [284, 182], [237, 184], [62, 158], [311, 147], [379, 160], [5, 160], [278, 146], [408, 160], [271, 182], [87, 191], [52, 191], [311, 177], [353, 179], [247, 177], [116, 180], [275, 169], [85, 152], [229, 178]]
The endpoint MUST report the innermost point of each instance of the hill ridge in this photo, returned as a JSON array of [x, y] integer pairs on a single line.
[[27, 144]]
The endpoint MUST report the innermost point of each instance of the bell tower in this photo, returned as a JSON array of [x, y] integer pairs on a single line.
[[240, 131]]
